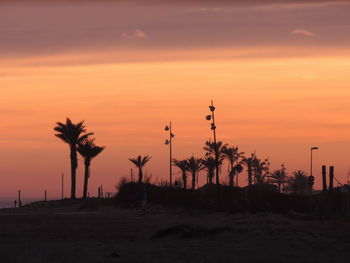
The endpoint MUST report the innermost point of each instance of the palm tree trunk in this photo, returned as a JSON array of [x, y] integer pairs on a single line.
[[193, 180], [74, 164], [231, 175], [184, 179], [249, 177], [86, 179], [210, 177], [140, 175], [217, 170]]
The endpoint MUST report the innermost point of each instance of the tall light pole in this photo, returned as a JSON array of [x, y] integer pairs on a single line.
[[213, 127], [312, 149], [169, 142]]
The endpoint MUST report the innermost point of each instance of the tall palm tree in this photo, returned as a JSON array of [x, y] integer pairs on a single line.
[[140, 162], [72, 134], [279, 177], [182, 165], [233, 156], [88, 150], [194, 165], [216, 149]]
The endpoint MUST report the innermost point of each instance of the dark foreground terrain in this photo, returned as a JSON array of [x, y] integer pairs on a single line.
[[68, 232]]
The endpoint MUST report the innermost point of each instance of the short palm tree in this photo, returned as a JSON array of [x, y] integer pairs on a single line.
[[249, 163], [182, 165], [209, 164], [233, 156], [298, 184], [261, 170], [140, 162], [237, 169], [72, 134], [88, 150], [194, 165], [216, 149], [279, 177]]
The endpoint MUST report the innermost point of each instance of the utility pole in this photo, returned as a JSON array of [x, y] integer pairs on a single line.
[[312, 149], [170, 143], [213, 128], [324, 178], [331, 178], [19, 199]]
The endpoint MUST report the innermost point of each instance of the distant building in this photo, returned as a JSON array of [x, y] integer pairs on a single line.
[[345, 188]]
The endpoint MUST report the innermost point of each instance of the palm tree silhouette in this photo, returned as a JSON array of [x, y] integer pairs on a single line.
[[299, 183], [140, 162], [279, 177], [182, 165], [209, 164], [72, 134], [237, 169], [194, 166], [261, 170], [249, 163], [233, 156], [88, 150], [216, 149]]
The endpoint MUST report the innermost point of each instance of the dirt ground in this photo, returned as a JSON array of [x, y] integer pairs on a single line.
[[128, 235]]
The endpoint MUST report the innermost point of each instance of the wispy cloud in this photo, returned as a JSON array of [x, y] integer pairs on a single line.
[[135, 34], [302, 32], [230, 2]]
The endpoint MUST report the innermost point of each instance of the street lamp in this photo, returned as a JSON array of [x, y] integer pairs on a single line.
[[169, 142], [312, 149], [211, 117]]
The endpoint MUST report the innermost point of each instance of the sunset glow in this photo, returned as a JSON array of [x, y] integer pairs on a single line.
[[278, 75]]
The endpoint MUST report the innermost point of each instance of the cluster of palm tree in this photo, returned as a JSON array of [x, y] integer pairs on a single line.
[[78, 140], [258, 170], [210, 163], [297, 183]]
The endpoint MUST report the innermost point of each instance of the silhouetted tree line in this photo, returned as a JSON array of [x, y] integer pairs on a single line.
[[258, 170]]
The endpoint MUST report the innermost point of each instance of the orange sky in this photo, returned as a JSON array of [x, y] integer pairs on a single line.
[[277, 99]]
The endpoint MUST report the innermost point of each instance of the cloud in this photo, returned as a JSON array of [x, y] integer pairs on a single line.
[[302, 32], [136, 34], [201, 2]]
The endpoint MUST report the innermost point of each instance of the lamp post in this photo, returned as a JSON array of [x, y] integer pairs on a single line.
[[312, 149], [169, 142], [211, 117]]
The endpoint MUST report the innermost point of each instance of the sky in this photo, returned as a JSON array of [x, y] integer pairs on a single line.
[[278, 72]]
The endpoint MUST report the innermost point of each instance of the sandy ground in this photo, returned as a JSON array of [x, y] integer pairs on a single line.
[[120, 235]]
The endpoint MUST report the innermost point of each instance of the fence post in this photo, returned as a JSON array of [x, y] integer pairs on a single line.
[[331, 178], [324, 178]]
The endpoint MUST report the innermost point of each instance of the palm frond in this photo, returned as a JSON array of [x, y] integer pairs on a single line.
[[140, 161], [88, 150]]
